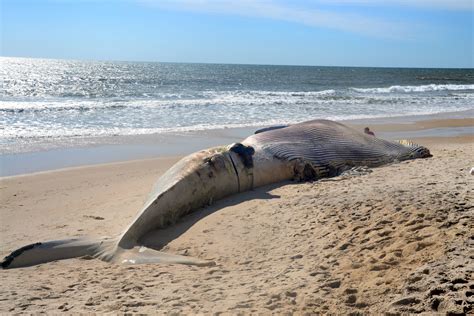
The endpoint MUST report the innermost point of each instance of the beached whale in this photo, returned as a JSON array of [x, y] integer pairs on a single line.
[[304, 151]]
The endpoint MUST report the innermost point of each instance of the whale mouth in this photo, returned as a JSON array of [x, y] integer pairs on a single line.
[[423, 152], [417, 151]]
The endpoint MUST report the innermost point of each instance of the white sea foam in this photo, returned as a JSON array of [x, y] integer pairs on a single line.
[[422, 88], [375, 96], [24, 132], [205, 99]]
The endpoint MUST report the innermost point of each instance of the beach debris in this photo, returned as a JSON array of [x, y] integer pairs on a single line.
[[99, 218]]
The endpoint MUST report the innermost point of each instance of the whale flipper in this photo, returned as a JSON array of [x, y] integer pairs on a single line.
[[271, 128]]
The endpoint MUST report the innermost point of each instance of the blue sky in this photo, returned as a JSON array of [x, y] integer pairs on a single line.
[[398, 33]]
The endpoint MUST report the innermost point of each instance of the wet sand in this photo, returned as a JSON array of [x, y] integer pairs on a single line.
[[398, 239]]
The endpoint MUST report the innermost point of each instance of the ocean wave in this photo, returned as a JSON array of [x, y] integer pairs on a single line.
[[238, 97], [422, 88], [38, 106], [235, 101], [285, 93], [57, 131], [434, 78]]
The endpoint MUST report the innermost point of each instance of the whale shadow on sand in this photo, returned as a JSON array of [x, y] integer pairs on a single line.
[[159, 238]]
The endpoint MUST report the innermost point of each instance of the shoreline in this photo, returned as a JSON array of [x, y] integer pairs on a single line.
[[454, 125]]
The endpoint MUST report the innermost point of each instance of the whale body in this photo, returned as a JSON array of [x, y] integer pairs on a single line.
[[306, 151]]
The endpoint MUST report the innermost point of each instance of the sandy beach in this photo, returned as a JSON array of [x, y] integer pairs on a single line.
[[398, 239]]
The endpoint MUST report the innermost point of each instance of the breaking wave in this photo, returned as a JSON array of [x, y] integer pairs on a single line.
[[422, 88]]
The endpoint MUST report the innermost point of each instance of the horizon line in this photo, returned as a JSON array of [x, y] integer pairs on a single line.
[[226, 63]]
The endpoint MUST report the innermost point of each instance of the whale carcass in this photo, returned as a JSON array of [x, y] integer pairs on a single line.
[[305, 151]]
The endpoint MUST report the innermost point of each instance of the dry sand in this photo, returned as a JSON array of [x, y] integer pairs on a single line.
[[399, 239]]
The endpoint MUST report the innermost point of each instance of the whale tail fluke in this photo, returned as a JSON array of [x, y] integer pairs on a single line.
[[42, 252], [105, 249], [144, 255]]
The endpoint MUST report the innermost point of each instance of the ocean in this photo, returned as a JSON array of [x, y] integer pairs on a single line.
[[68, 100]]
